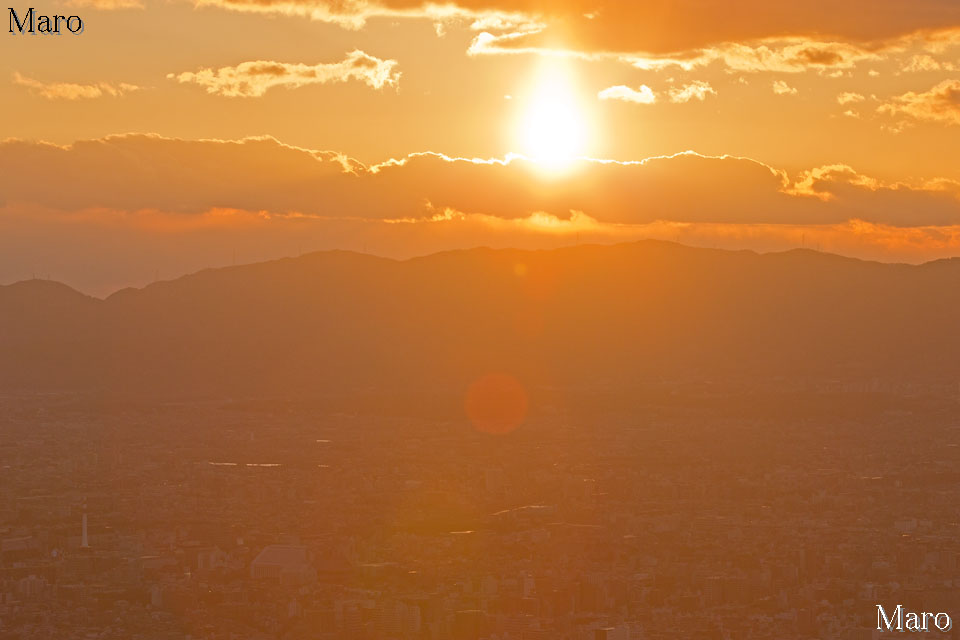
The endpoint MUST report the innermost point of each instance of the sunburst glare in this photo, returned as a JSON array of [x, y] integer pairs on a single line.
[[552, 127]]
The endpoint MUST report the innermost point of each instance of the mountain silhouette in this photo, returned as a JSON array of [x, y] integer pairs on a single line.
[[609, 318]]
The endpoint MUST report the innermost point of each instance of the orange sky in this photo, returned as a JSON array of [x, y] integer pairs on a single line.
[[171, 136]]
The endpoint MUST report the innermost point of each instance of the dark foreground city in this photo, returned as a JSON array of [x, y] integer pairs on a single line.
[[684, 512]]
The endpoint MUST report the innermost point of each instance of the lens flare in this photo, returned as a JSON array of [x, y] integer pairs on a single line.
[[496, 403]]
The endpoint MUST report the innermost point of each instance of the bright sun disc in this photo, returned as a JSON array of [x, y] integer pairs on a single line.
[[552, 128]]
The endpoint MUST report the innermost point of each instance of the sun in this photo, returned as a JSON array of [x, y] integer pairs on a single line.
[[552, 127]]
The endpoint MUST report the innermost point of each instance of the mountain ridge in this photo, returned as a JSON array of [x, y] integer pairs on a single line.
[[585, 317], [647, 242]]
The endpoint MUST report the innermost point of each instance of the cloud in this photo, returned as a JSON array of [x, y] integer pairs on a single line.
[[73, 91], [136, 203], [253, 79], [776, 51], [924, 62], [897, 128], [940, 104], [781, 54], [815, 182], [858, 196], [781, 88], [683, 25], [643, 95], [755, 35], [135, 173], [849, 97], [696, 90], [660, 27], [354, 14], [777, 55]]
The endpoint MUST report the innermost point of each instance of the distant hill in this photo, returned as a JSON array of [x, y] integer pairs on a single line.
[[589, 317]]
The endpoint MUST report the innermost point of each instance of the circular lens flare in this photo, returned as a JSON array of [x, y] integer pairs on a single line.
[[496, 403]]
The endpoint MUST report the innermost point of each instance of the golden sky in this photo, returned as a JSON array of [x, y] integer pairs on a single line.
[[171, 136]]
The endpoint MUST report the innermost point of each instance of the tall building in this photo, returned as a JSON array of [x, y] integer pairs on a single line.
[[84, 540]]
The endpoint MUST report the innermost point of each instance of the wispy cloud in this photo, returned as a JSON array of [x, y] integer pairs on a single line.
[[778, 55], [849, 97], [781, 88], [643, 95], [71, 90], [255, 78], [696, 90]]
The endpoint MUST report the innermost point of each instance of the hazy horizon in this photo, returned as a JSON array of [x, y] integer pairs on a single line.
[[102, 293]]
